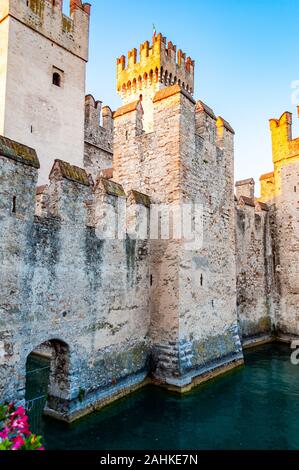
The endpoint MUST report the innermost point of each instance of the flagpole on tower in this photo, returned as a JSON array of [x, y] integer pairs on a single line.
[[154, 31]]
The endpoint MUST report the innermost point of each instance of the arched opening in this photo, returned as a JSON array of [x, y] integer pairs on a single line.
[[166, 78], [47, 380], [56, 79], [151, 76]]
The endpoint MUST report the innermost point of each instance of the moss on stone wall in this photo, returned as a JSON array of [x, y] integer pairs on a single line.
[[18, 152], [256, 328], [212, 348], [116, 365], [67, 24], [38, 7]]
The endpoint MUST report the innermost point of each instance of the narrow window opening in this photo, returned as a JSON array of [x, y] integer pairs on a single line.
[[295, 189], [151, 279], [56, 79], [201, 280], [31, 129], [127, 135], [14, 205], [213, 303]]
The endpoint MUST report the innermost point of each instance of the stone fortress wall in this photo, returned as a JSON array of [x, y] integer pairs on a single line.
[[42, 82], [118, 311]]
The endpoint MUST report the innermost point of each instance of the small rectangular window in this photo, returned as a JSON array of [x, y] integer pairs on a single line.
[[14, 205], [57, 77], [295, 189]]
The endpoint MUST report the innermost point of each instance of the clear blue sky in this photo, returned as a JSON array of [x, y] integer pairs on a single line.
[[246, 54]]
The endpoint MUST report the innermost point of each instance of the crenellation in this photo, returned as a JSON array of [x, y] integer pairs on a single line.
[[98, 145], [49, 95], [134, 257], [47, 18], [279, 189], [158, 67], [205, 122], [245, 188], [68, 193], [107, 116]]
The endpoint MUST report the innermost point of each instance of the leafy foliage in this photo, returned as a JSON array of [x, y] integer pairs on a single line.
[[14, 430]]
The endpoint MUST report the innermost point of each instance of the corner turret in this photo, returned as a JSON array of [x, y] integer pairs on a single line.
[[160, 65]]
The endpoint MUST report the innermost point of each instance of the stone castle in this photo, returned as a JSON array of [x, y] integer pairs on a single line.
[[115, 313]]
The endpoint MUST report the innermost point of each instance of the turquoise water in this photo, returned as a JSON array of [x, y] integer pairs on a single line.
[[252, 407]]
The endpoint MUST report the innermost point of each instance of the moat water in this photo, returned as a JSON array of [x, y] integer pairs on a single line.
[[252, 407]]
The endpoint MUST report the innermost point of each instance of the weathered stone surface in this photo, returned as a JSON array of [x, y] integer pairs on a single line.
[[61, 283], [38, 41], [98, 144], [281, 189], [83, 280], [255, 270], [193, 293]]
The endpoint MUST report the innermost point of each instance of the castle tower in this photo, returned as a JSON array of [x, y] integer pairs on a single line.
[[184, 164], [43, 59], [159, 65], [281, 189]]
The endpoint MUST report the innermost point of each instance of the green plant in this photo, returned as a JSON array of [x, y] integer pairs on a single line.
[[14, 430]]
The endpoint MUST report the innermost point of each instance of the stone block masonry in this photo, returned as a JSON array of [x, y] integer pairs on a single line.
[[98, 144], [256, 288], [114, 310], [42, 81], [280, 189], [193, 295], [60, 283]]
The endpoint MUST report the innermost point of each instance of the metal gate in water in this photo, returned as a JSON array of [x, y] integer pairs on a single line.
[[37, 383]]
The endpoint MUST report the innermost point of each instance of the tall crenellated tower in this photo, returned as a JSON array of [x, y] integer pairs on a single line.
[[43, 57], [177, 152], [160, 65], [281, 189]]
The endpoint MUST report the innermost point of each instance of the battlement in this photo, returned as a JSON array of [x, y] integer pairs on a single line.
[[159, 63], [98, 141], [283, 144], [245, 188], [71, 196], [47, 17]]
